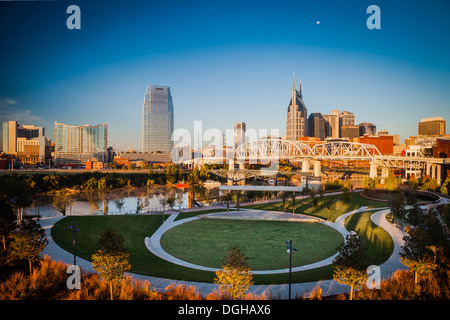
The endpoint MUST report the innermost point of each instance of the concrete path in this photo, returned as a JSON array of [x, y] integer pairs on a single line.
[[154, 245], [329, 287]]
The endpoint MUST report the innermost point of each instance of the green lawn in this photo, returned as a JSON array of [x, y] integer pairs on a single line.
[[304, 206], [378, 242], [135, 228], [206, 241]]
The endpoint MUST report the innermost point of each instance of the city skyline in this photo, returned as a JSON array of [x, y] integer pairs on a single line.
[[221, 72]]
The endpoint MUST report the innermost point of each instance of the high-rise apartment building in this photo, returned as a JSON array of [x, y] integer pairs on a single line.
[[297, 121], [432, 126], [157, 120], [239, 134], [77, 144]]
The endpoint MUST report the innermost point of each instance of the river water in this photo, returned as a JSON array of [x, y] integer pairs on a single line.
[[124, 201], [119, 201]]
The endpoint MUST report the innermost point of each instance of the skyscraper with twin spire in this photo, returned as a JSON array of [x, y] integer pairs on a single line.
[[297, 122], [157, 120]]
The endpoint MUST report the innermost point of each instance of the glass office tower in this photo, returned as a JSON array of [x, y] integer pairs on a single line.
[[157, 120]]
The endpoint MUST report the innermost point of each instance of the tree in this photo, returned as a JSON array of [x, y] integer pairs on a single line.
[[314, 199], [346, 194], [392, 183], [111, 241], [329, 205], [163, 202], [111, 261], [17, 191], [420, 245], [413, 216], [369, 184], [171, 201], [351, 263], [119, 204], [111, 266], [398, 205], [429, 184], [7, 220], [62, 200], [235, 277], [413, 182], [29, 241], [172, 174], [180, 200]]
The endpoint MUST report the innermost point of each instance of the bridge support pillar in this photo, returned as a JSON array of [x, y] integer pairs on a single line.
[[231, 165], [305, 165], [317, 166], [384, 172], [428, 170], [373, 169], [436, 172], [241, 166]]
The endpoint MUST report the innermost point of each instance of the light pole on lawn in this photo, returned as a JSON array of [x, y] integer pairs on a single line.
[[74, 242], [290, 248]]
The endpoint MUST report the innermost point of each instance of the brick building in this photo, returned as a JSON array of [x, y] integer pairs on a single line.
[[384, 143]]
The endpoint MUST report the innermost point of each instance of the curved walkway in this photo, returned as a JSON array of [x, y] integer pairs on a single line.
[[154, 242], [329, 287]]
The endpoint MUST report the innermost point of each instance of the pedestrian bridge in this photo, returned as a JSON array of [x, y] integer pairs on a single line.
[[272, 150]]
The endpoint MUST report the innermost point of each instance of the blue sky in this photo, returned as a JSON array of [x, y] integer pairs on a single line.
[[225, 61]]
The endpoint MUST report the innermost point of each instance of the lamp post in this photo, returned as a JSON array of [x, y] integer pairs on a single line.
[[290, 248], [74, 242]]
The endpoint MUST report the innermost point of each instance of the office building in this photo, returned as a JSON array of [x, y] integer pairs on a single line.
[[384, 143], [74, 145], [350, 132], [367, 128], [432, 127], [12, 130], [239, 134], [442, 148], [26, 143], [297, 122], [332, 124], [157, 120], [316, 126], [346, 118]]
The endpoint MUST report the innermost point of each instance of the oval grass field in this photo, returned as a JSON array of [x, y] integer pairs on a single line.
[[206, 241]]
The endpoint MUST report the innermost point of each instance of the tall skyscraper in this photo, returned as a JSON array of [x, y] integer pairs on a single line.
[[239, 134], [297, 122], [157, 120], [78, 144]]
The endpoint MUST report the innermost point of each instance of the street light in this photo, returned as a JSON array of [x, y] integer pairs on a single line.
[[74, 242], [289, 250]]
